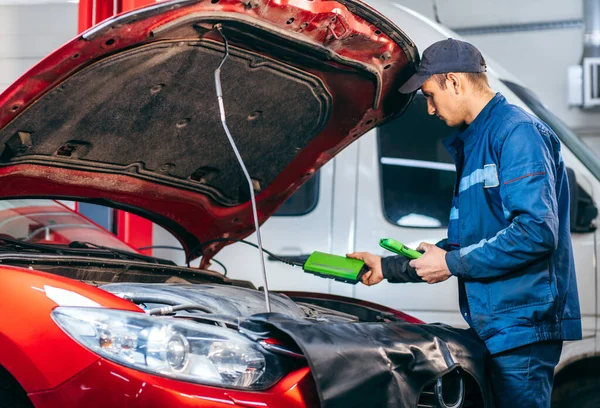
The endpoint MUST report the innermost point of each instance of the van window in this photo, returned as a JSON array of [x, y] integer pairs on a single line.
[[417, 173], [303, 201]]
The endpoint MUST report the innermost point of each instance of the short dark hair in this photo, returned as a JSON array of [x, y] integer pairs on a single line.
[[478, 79]]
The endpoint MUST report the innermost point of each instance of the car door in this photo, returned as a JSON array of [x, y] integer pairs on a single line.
[[405, 187]]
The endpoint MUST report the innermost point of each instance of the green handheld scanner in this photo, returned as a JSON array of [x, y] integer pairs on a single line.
[[336, 267], [398, 248], [350, 270]]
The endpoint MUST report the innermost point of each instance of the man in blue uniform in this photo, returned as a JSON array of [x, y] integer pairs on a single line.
[[508, 242]]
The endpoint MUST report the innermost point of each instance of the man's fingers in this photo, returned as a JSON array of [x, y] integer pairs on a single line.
[[357, 255], [415, 264], [424, 247], [426, 278], [365, 278], [368, 258]]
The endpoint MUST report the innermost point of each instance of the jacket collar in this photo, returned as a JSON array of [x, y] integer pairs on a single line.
[[468, 134]]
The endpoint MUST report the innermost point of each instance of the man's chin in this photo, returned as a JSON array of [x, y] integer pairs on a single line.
[[450, 123], [446, 121]]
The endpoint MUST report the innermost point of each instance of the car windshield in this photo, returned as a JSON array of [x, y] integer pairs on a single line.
[[50, 222], [584, 152]]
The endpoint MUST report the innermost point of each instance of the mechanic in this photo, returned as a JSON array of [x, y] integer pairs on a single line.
[[508, 241]]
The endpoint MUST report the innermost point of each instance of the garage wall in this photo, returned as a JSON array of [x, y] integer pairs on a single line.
[[539, 59], [28, 32]]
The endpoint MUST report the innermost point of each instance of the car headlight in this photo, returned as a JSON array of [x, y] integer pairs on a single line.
[[173, 348]]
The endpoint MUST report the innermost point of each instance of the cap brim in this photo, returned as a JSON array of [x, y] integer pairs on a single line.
[[414, 82]]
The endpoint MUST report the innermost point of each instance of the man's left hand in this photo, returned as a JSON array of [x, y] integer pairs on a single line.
[[431, 267]]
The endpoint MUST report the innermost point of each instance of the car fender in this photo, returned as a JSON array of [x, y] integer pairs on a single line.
[[33, 349]]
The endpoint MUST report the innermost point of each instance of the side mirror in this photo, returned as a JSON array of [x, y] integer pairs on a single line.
[[583, 210]]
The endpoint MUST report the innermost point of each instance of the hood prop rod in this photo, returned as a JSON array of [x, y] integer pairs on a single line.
[[239, 158]]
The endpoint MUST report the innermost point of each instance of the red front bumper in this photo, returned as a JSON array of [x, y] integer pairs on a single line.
[[106, 384]]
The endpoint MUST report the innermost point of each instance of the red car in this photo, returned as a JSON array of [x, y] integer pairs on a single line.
[[126, 115]]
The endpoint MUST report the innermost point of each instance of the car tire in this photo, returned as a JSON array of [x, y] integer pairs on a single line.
[[580, 393]]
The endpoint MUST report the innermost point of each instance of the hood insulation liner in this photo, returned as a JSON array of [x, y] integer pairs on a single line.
[[126, 114]]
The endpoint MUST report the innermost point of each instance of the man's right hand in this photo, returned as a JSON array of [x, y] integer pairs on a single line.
[[373, 262]]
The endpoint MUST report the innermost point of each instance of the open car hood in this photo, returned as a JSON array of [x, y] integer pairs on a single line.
[[126, 114]]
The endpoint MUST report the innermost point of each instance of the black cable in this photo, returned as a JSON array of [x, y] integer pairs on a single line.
[[181, 249], [285, 261], [212, 241], [435, 12], [222, 266]]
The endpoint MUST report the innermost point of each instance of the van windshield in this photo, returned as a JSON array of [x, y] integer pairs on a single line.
[[567, 137]]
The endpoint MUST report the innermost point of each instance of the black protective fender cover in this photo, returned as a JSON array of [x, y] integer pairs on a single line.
[[377, 364]]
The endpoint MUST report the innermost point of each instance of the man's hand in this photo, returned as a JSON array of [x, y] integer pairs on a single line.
[[431, 267], [373, 262]]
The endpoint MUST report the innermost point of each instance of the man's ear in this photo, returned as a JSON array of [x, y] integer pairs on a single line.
[[455, 82]]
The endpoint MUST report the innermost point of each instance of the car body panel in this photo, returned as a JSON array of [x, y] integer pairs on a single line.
[[132, 389], [34, 349]]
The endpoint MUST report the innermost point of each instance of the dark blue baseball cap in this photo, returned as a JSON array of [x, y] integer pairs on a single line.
[[442, 57]]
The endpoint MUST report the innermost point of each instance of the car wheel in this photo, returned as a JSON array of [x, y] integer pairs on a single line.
[[580, 393]]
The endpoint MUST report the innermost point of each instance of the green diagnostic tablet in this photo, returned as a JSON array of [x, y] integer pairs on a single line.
[[336, 267], [398, 248]]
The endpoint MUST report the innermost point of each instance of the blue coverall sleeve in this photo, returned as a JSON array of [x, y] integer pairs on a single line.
[[443, 244], [527, 174]]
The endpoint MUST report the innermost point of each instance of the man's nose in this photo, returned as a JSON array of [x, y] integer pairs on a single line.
[[430, 108]]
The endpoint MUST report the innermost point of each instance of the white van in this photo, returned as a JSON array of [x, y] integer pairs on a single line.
[[396, 182]]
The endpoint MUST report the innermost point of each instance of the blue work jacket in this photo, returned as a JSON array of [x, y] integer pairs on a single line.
[[508, 239]]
